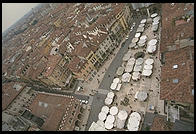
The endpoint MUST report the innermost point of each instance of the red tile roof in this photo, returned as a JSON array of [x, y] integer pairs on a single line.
[[170, 32], [160, 124], [181, 91], [9, 93], [76, 64], [51, 64], [57, 107]]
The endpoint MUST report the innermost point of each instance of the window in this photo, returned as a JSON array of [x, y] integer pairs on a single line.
[[175, 80], [175, 66]]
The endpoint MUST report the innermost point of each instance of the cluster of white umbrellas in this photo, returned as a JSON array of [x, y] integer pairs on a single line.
[[155, 22], [142, 41], [152, 46], [148, 66], [134, 121], [107, 117], [116, 84], [109, 98]]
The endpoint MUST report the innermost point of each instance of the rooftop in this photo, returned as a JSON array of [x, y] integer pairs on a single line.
[[9, 92], [177, 79], [52, 108], [76, 64]]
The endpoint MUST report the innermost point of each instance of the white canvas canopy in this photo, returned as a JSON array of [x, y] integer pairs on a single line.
[[141, 41], [126, 77], [149, 61], [126, 57], [129, 68], [101, 123], [118, 87], [137, 35], [121, 118], [110, 95], [141, 25], [116, 80], [105, 109], [148, 67], [136, 76], [113, 86], [137, 68], [155, 27], [152, 42], [109, 125], [157, 18], [146, 72], [151, 48], [140, 29], [131, 60], [110, 118], [139, 61], [108, 101], [120, 71], [134, 121], [102, 116], [113, 110], [153, 15], [134, 40], [132, 45], [96, 127], [142, 96], [143, 21], [143, 37]]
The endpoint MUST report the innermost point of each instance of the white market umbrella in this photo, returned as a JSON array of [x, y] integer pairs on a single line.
[[152, 42], [113, 86], [134, 40], [143, 21], [148, 67], [113, 110], [110, 95], [102, 116], [137, 35], [153, 15], [147, 72], [105, 109], [142, 96], [143, 37]]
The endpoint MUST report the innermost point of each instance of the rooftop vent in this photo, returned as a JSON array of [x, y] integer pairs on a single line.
[[175, 80], [175, 66]]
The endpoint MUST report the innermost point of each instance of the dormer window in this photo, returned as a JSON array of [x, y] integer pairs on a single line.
[[175, 66], [175, 80]]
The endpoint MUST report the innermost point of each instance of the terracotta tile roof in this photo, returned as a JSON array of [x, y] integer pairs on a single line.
[[159, 124], [81, 50], [9, 92], [170, 32], [76, 64], [181, 91], [55, 108], [51, 64]]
